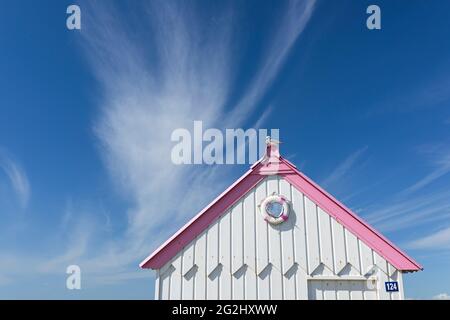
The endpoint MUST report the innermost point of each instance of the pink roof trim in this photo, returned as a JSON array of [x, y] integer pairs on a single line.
[[251, 178], [202, 220], [352, 222]]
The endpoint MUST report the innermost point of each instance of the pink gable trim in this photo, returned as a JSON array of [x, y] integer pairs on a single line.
[[202, 220], [288, 171], [351, 221]]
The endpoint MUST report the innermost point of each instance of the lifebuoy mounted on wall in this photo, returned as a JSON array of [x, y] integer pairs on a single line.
[[275, 209]]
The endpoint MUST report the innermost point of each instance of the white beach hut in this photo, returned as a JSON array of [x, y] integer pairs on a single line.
[[275, 234]]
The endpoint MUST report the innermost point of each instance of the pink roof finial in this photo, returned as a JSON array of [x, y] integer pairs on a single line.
[[271, 159], [272, 148]]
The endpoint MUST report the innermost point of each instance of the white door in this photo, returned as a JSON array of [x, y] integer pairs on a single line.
[[342, 290]]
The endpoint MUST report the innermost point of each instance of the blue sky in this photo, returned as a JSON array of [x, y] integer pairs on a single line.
[[86, 117]]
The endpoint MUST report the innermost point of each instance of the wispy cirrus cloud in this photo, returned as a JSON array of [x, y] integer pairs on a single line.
[[428, 93], [419, 203], [292, 24], [440, 160], [157, 72], [407, 212], [76, 244], [162, 71], [435, 241], [344, 168], [17, 177]]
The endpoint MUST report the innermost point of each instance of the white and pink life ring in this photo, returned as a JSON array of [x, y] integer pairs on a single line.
[[275, 209]]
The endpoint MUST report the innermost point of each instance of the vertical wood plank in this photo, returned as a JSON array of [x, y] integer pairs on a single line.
[[299, 229], [382, 278], [237, 238], [276, 276], [276, 284], [188, 272], [326, 248], [251, 289], [188, 258], [239, 284], [395, 295], [380, 262], [401, 288], [212, 262], [165, 285], [352, 250], [250, 214], [312, 235], [175, 278], [212, 284], [212, 247], [225, 255], [391, 269], [287, 230], [301, 284], [157, 285], [287, 246], [188, 286], [262, 250], [290, 291], [366, 258], [250, 231], [274, 230], [264, 283], [200, 261], [340, 259]]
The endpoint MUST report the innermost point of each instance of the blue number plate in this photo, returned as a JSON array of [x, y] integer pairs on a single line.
[[391, 286]]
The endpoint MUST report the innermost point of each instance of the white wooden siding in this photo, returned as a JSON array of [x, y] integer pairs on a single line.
[[310, 256]]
